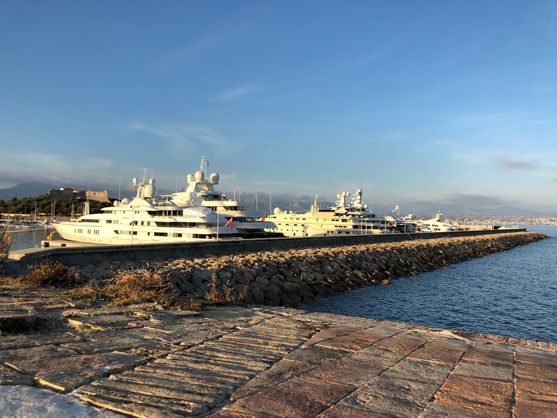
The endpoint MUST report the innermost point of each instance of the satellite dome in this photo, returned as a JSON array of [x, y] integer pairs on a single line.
[[125, 201], [189, 178], [148, 191], [199, 176], [214, 178], [116, 203], [277, 211], [134, 181]]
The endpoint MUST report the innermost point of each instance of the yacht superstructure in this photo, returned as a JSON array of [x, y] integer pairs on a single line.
[[147, 219], [344, 218], [200, 191]]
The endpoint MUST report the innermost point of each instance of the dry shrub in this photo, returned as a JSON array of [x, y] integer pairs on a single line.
[[5, 243], [139, 286], [51, 274]]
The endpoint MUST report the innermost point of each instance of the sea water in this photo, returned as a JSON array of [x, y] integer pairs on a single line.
[[512, 293]]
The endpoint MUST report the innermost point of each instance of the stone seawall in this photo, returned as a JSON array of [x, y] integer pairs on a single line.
[[294, 276]]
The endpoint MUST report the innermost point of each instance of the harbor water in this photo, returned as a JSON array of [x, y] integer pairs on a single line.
[[513, 293], [29, 238]]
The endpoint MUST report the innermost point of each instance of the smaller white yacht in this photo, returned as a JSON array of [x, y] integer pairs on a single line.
[[200, 191], [436, 224], [146, 219], [344, 218], [403, 224]]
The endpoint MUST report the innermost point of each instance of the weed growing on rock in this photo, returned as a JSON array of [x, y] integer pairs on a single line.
[[51, 274], [213, 295]]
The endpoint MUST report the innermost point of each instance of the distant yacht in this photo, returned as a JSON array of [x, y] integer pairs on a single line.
[[436, 224], [147, 219], [402, 224], [344, 218], [201, 191]]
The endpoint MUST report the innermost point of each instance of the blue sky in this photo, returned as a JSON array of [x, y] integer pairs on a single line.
[[409, 100]]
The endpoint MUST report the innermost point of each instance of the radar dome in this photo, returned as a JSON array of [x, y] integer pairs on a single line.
[[148, 191], [125, 201], [116, 203], [277, 211], [189, 178], [214, 178], [199, 176], [134, 181]]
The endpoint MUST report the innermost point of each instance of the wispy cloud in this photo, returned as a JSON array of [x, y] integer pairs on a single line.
[[515, 164], [235, 93], [186, 137]]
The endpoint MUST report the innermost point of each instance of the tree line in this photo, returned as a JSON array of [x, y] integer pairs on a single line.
[[45, 205]]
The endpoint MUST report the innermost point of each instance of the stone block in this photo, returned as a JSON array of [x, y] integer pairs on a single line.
[[490, 357], [536, 371], [294, 398], [472, 392], [341, 411], [314, 355], [401, 343], [280, 372], [500, 372], [347, 371], [419, 371], [393, 397]]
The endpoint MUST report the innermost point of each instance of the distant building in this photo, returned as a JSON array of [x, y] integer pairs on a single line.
[[97, 196], [66, 193]]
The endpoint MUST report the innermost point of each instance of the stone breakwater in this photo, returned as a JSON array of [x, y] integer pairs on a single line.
[[295, 276]]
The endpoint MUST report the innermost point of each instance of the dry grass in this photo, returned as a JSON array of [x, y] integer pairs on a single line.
[[193, 305], [139, 286], [91, 293], [51, 274], [227, 296], [5, 243]]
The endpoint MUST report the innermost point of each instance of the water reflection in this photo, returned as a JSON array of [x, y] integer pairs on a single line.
[[29, 238]]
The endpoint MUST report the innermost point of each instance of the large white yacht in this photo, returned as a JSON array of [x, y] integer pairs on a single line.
[[147, 219], [343, 218], [200, 191]]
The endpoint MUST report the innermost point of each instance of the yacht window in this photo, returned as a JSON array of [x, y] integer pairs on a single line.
[[176, 235], [161, 234], [108, 221]]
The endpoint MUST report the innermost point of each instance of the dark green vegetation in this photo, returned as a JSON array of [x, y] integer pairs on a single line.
[[45, 205]]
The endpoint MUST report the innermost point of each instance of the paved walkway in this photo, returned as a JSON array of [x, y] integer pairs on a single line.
[[270, 362]]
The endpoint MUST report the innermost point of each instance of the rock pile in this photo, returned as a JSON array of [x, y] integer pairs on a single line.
[[295, 276]]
